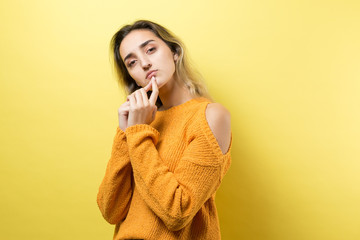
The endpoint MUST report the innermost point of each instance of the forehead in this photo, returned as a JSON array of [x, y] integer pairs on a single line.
[[134, 39]]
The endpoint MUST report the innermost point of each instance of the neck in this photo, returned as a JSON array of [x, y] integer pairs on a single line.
[[173, 93]]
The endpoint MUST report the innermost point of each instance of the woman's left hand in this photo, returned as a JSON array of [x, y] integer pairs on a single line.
[[142, 110]]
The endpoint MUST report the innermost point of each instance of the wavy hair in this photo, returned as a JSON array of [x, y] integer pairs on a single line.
[[183, 69]]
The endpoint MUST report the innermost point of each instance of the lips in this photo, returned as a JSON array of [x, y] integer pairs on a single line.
[[150, 74]]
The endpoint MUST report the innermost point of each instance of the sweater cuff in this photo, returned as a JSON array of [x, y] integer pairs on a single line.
[[120, 134], [119, 139], [142, 131], [119, 131]]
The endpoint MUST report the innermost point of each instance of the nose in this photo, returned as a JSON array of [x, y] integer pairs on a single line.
[[145, 63]]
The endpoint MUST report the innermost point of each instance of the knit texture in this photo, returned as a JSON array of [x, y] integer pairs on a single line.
[[161, 179]]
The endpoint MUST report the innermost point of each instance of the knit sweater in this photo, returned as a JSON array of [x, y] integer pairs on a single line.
[[161, 179]]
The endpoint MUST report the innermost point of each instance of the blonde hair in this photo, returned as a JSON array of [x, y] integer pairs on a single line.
[[183, 69]]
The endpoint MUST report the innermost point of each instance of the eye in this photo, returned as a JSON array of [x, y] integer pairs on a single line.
[[131, 63], [150, 50]]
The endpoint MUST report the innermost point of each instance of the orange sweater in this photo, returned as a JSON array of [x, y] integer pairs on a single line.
[[161, 179]]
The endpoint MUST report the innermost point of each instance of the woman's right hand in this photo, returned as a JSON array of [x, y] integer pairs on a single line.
[[123, 113]]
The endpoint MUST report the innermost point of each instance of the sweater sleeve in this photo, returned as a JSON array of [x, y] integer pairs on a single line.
[[115, 190], [175, 197]]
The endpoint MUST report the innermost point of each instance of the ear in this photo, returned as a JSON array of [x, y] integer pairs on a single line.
[[176, 56]]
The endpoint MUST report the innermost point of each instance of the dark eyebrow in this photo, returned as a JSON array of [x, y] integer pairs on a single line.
[[141, 46]]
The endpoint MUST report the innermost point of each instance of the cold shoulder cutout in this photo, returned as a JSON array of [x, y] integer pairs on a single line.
[[218, 118]]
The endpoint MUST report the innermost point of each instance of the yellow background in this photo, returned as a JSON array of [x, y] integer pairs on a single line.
[[288, 71]]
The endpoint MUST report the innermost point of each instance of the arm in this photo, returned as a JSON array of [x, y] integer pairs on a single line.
[[177, 196], [115, 190]]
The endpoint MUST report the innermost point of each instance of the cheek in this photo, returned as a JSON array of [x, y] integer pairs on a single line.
[[166, 58], [168, 61], [134, 73], [172, 65], [136, 76]]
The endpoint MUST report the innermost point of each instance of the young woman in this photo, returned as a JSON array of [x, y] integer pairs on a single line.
[[172, 147]]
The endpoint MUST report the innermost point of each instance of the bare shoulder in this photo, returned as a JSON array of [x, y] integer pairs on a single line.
[[219, 120]]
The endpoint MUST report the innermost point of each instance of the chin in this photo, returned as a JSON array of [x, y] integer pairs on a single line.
[[161, 82]]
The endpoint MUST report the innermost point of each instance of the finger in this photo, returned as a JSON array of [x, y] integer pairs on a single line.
[[132, 101], [139, 100], [127, 103], [148, 86], [154, 112], [144, 97], [124, 106], [155, 91], [124, 110], [131, 95]]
